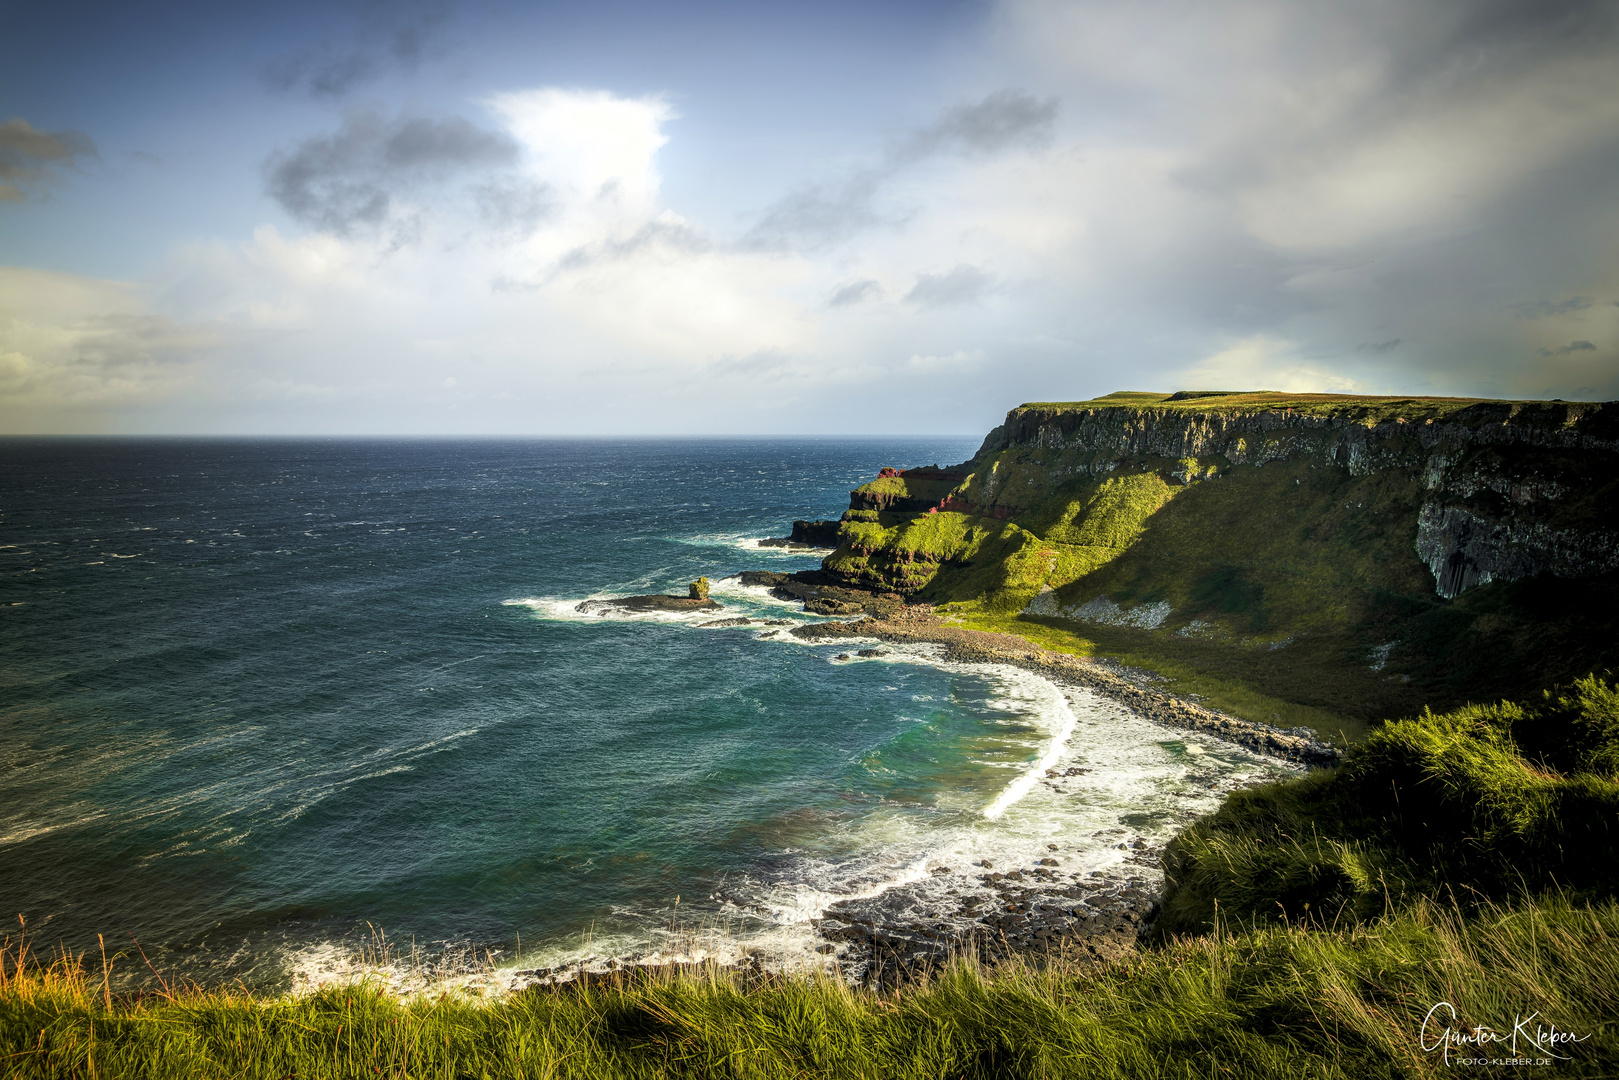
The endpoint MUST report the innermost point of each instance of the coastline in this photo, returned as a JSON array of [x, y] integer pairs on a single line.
[[918, 624], [1037, 911], [1001, 909]]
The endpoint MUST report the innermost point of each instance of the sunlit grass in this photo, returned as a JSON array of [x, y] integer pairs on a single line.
[[1277, 1002]]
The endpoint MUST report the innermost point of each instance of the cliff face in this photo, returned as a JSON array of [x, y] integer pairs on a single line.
[[1252, 518]]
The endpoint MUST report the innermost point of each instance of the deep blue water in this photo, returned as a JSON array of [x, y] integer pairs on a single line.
[[257, 694]]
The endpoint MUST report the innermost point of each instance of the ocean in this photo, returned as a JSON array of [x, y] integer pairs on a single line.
[[265, 701]]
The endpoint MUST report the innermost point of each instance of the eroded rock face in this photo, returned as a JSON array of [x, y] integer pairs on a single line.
[[807, 534], [1503, 490]]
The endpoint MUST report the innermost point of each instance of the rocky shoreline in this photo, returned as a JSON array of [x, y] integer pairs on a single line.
[[888, 618], [1036, 911], [1041, 912]]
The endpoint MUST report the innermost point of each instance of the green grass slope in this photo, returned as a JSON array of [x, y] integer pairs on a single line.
[[1286, 569], [1485, 803]]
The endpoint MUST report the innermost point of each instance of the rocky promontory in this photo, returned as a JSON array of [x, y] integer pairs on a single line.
[[1344, 556], [807, 535]]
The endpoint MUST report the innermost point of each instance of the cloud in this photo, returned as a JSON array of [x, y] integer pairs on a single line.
[[514, 207], [819, 215], [1541, 309], [1265, 363], [964, 284], [389, 37], [1567, 350], [854, 292], [352, 179], [1004, 120], [1378, 346], [32, 160], [70, 344], [666, 235], [593, 146]]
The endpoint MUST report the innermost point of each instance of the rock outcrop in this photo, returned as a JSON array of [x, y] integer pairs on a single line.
[[642, 604], [1501, 490], [807, 534], [1418, 544]]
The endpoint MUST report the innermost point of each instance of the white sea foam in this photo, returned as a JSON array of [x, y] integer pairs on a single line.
[[1096, 778], [736, 601], [1131, 780], [1059, 718]]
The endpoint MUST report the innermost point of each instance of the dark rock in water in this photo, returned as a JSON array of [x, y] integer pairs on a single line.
[[842, 656], [807, 534], [870, 653], [816, 533], [647, 603], [727, 622], [768, 579], [698, 590]]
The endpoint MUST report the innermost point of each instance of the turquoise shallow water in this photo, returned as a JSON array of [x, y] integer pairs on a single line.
[[257, 696]]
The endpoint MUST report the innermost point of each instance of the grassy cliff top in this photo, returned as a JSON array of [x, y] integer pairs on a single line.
[[1361, 407]]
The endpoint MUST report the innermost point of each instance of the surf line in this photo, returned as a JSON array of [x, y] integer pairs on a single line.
[[1063, 730]]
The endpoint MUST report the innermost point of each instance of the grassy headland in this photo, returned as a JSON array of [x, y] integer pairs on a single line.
[[1317, 559]]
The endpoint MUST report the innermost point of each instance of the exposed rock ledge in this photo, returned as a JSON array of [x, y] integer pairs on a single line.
[[657, 602], [807, 535]]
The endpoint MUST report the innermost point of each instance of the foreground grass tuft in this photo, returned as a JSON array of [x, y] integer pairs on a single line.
[[1487, 801], [1280, 1001]]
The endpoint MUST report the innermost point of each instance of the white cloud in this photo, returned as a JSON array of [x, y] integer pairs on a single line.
[[1264, 363], [74, 347], [595, 146]]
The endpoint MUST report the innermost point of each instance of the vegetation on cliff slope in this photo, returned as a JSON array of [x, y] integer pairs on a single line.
[[1486, 802], [1280, 578]]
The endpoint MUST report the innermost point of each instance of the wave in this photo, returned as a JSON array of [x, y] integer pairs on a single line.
[[1061, 722], [1094, 780], [750, 543], [736, 599]]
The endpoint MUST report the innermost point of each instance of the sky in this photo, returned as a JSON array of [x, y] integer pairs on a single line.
[[686, 218]]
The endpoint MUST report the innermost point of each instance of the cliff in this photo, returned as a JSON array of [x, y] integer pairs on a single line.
[[1418, 539]]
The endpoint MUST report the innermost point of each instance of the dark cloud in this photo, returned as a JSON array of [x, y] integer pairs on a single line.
[[514, 207], [1378, 346], [965, 284], [668, 236], [854, 292], [388, 36], [1540, 309], [816, 216], [31, 160], [1005, 120], [1496, 25], [1567, 350], [824, 214], [349, 180]]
